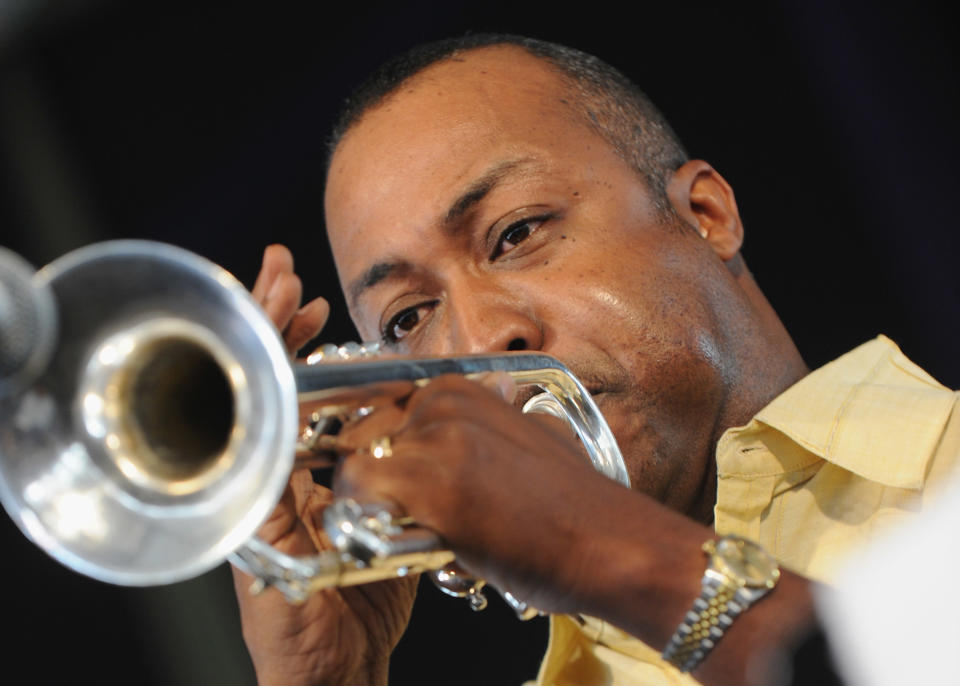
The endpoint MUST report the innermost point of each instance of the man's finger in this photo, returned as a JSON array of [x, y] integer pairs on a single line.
[[283, 299], [277, 260], [306, 324]]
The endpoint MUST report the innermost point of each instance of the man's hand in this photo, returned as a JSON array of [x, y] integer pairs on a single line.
[[513, 495], [338, 636], [519, 503], [279, 292]]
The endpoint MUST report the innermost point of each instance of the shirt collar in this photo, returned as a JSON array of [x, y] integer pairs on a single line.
[[872, 412]]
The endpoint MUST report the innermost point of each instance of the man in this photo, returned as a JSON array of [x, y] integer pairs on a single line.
[[500, 194]]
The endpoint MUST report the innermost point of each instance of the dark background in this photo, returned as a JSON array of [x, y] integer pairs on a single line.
[[203, 125]]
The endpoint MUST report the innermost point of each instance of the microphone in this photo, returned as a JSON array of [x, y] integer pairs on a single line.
[[28, 324]]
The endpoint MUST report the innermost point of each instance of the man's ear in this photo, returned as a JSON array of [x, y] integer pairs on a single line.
[[705, 200]]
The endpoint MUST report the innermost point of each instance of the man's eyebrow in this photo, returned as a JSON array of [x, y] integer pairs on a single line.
[[479, 189], [374, 275]]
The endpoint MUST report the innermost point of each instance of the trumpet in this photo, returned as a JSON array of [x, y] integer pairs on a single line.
[[166, 423]]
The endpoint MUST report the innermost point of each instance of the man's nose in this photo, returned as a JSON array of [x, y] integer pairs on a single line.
[[488, 320]]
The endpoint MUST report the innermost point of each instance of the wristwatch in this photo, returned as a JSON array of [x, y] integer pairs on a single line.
[[738, 574]]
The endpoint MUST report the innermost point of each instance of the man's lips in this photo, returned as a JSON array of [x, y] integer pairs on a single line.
[[592, 378], [524, 393], [593, 382], [595, 388]]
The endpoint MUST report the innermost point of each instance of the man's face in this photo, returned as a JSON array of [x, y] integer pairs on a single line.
[[474, 212]]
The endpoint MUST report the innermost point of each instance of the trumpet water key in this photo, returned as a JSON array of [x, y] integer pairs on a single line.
[[166, 423]]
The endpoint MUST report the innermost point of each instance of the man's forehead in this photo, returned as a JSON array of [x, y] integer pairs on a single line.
[[493, 77], [435, 133]]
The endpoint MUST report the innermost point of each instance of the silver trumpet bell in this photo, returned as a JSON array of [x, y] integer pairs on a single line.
[[166, 424]]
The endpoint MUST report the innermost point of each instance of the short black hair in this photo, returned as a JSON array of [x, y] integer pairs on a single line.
[[606, 100]]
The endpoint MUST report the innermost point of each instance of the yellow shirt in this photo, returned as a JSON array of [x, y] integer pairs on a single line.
[[829, 465]]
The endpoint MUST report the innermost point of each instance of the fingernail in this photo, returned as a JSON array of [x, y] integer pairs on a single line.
[[274, 288], [504, 385]]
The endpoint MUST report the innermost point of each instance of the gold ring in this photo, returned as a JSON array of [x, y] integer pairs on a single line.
[[381, 447]]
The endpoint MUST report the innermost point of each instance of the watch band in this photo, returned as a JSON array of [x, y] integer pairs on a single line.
[[704, 624], [739, 573]]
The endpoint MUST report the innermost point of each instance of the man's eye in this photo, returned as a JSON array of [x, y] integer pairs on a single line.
[[403, 322], [515, 234]]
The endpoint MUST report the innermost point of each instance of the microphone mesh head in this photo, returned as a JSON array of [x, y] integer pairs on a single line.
[[27, 323]]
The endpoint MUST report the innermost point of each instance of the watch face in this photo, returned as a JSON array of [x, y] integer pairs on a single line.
[[746, 561]]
